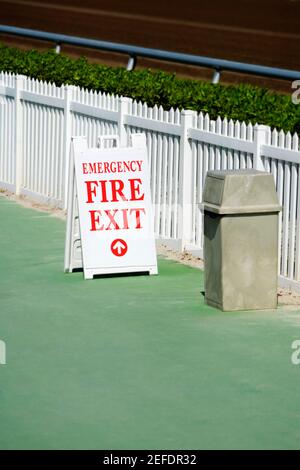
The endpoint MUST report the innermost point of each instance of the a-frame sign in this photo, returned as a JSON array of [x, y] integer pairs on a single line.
[[110, 218]]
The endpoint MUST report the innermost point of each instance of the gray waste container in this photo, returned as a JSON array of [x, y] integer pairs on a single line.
[[240, 240]]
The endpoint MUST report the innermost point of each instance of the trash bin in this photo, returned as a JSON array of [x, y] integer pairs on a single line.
[[240, 240]]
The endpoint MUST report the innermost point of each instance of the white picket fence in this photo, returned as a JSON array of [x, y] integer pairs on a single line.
[[38, 119]]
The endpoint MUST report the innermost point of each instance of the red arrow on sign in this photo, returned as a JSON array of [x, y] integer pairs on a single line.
[[119, 247]]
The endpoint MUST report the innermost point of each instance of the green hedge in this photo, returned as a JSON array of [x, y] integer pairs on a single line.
[[243, 102]]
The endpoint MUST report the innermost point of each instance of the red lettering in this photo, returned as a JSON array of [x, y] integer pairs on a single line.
[[126, 166], [84, 168], [135, 189], [92, 167], [138, 216], [117, 190], [111, 216], [117, 187], [103, 190], [113, 167], [125, 219], [95, 220], [91, 191]]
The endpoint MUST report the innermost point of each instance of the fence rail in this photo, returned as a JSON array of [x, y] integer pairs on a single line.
[[38, 119], [136, 51]]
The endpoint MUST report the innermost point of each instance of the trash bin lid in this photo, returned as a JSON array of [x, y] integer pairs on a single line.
[[239, 192]]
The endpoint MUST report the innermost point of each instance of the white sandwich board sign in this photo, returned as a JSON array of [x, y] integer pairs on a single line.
[[110, 220]]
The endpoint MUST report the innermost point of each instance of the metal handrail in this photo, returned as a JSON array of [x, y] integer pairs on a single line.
[[134, 51]]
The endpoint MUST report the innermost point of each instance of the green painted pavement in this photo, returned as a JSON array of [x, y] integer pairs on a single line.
[[133, 362]]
